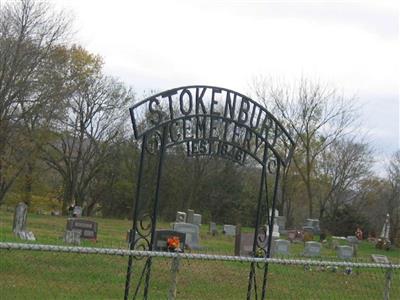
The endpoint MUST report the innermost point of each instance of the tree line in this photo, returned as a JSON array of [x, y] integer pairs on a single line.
[[65, 134]]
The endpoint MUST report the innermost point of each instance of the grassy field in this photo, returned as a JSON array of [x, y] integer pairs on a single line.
[[40, 275]]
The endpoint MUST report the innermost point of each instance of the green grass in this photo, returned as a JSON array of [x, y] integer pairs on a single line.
[[45, 275]]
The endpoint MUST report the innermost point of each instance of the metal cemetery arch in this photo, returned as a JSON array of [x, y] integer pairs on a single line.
[[211, 121]]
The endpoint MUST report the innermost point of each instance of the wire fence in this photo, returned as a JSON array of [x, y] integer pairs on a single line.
[[57, 272]]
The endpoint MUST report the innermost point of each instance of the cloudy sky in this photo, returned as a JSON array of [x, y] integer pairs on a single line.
[[353, 46]]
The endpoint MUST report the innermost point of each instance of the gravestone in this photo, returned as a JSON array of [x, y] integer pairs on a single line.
[[72, 237], [197, 219], [20, 215], [87, 228], [229, 230], [344, 252], [19, 223], [312, 249], [213, 228], [180, 217], [26, 235], [244, 244], [192, 234], [77, 212], [276, 215], [314, 224], [281, 222], [353, 242], [281, 247], [162, 236], [189, 216], [275, 229], [380, 259]]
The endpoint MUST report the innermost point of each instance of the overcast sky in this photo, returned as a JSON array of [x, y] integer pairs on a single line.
[[353, 46]]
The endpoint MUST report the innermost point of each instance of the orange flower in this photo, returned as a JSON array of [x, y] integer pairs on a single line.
[[173, 243]]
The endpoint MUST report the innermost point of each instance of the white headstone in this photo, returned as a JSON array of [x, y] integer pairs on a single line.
[[192, 234], [20, 215], [385, 229], [77, 212], [229, 230], [180, 217], [19, 224], [72, 237], [276, 215], [197, 219], [380, 259], [189, 216]]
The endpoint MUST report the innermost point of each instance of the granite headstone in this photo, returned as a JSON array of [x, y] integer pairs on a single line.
[[229, 230], [192, 239], [312, 249], [87, 228], [162, 236]]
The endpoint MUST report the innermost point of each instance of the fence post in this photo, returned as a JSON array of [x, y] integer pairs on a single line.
[[174, 273], [388, 282]]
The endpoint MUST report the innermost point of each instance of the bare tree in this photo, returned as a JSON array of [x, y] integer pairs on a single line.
[[29, 31], [315, 115], [341, 169], [393, 201], [94, 114]]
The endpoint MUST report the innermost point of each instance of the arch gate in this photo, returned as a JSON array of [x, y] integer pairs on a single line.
[[208, 121]]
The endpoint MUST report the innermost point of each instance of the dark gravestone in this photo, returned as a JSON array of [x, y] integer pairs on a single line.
[[87, 228], [161, 240], [244, 244]]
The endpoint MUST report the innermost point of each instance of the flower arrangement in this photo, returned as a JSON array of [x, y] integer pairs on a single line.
[[173, 244]]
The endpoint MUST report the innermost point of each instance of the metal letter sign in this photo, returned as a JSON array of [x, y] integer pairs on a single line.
[[208, 121]]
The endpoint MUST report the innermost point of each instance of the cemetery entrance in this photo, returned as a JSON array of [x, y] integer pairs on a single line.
[[205, 121]]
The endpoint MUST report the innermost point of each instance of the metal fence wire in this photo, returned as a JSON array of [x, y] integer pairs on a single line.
[[57, 272]]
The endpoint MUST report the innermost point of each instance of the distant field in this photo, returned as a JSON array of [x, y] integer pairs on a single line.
[[40, 275]]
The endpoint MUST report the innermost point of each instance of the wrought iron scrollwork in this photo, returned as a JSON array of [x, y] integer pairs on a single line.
[[153, 142], [143, 233], [261, 244], [272, 165]]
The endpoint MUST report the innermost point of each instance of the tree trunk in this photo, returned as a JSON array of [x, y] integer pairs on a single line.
[[28, 183], [67, 197]]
